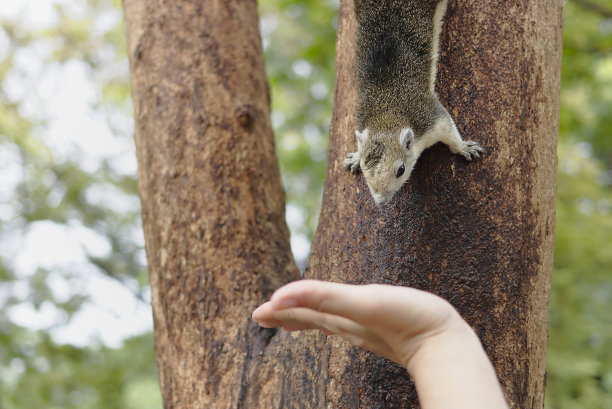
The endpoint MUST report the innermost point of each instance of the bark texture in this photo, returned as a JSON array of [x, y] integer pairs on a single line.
[[479, 234], [212, 201]]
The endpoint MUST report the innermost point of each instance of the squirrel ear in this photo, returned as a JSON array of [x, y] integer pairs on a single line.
[[361, 136], [406, 137]]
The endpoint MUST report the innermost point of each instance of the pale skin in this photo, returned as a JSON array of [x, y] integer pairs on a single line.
[[420, 331]]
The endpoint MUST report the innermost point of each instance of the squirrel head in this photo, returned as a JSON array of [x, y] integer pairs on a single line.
[[387, 160]]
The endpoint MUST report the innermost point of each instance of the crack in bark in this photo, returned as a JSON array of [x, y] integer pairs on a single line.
[[257, 340]]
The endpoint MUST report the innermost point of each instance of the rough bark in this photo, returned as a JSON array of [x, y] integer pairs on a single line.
[[479, 234], [212, 201]]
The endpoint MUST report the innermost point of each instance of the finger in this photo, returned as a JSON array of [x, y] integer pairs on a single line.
[[295, 319], [361, 304], [263, 313], [356, 334], [264, 316], [304, 318]]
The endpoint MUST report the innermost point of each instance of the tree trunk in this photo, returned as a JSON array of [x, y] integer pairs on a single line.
[[212, 201], [479, 234]]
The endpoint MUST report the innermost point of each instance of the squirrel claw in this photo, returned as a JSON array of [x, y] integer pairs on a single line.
[[352, 162], [471, 150]]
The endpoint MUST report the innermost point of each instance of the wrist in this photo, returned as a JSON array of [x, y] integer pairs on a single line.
[[455, 343], [451, 369]]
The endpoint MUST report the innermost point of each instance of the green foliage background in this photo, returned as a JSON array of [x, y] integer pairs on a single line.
[[46, 181]]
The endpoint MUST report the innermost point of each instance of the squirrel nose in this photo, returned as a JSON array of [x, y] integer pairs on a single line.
[[380, 198]]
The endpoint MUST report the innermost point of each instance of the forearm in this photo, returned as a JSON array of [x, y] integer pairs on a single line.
[[452, 370]]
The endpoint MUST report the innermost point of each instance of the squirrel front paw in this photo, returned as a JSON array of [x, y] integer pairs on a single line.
[[352, 162], [469, 150]]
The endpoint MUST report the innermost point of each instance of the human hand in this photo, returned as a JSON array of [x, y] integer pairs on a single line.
[[416, 329], [394, 322]]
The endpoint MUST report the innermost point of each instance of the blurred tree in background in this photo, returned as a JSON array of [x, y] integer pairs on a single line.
[[579, 359], [71, 249]]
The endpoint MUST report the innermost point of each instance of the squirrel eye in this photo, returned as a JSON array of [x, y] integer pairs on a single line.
[[400, 171]]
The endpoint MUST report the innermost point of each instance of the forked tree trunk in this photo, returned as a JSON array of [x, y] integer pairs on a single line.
[[479, 234]]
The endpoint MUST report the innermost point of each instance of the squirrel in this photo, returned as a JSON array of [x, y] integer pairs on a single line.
[[398, 112]]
